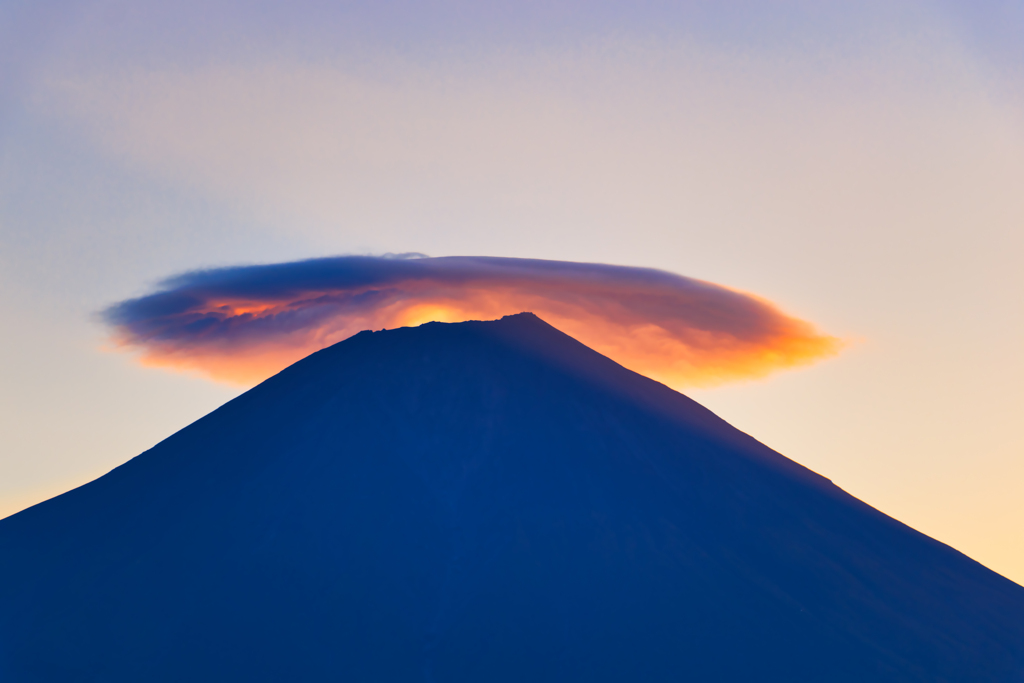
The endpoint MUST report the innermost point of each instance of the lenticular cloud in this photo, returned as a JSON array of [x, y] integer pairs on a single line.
[[245, 323]]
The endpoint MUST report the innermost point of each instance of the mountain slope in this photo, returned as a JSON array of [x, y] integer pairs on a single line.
[[483, 501]]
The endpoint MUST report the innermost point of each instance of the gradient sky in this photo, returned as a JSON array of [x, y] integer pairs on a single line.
[[859, 164]]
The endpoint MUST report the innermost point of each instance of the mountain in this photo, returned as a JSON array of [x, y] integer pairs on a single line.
[[483, 502]]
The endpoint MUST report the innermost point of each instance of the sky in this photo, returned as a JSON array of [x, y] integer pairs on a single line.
[[853, 165]]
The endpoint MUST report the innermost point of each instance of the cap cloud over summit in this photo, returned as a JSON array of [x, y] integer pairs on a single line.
[[244, 323]]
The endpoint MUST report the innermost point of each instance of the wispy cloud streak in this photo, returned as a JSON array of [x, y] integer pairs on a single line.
[[242, 324]]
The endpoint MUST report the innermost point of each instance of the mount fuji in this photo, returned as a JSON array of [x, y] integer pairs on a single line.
[[483, 502]]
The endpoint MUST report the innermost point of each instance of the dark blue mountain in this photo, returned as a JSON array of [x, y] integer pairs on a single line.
[[478, 503]]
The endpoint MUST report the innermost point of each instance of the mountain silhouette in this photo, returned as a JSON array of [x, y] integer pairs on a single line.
[[483, 502]]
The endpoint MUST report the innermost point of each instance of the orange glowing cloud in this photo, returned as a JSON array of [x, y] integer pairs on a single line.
[[244, 324]]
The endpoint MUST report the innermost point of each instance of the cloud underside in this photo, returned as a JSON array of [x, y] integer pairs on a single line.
[[244, 324]]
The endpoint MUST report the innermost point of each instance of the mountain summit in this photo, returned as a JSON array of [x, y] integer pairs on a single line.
[[483, 502]]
